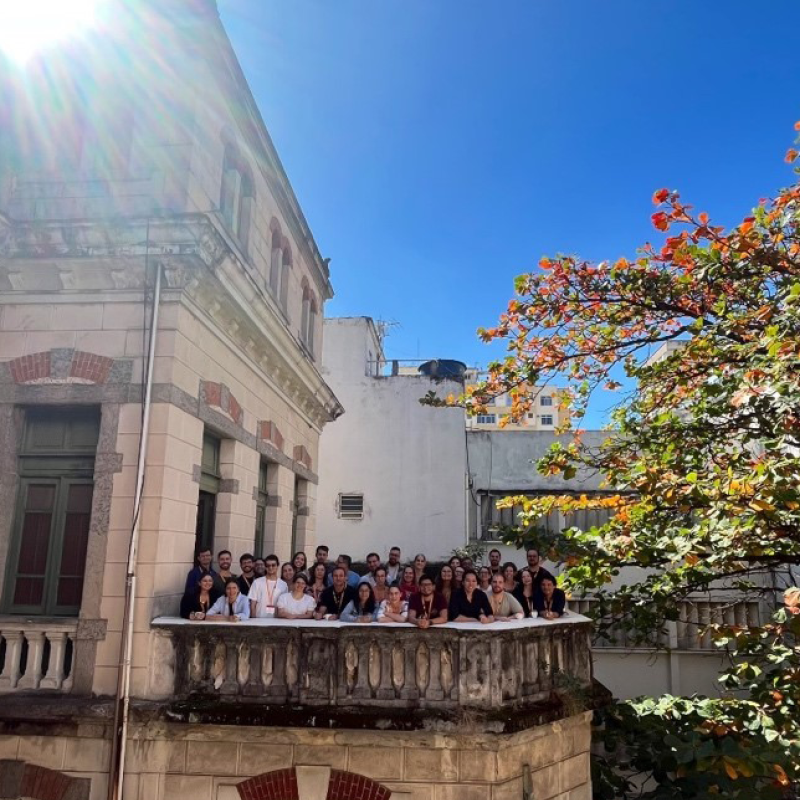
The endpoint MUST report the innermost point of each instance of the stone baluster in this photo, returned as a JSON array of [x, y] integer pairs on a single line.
[[69, 663], [227, 680], [434, 688], [386, 690], [362, 690], [423, 663], [10, 677], [55, 668], [409, 690], [33, 667]]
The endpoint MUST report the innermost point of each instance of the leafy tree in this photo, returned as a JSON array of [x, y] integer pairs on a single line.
[[701, 465]]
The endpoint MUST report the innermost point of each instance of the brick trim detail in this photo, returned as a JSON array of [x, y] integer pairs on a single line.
[[302, 456], [268, 431], [349, 786], [281, 784], [90, 367], [20, 779], [30, 368], [218, 395], [53, 364]]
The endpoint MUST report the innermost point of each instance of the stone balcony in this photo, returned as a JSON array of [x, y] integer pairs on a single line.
[[338, 666]]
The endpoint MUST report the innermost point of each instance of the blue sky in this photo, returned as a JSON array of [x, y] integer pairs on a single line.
[[441, 147]]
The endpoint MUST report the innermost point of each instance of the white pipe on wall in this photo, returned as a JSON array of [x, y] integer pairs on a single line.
[[117, 771]]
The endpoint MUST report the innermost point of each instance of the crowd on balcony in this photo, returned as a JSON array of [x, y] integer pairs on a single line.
[[415, 593]]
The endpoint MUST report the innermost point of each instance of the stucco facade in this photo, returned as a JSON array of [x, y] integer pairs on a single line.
[[407, 461]]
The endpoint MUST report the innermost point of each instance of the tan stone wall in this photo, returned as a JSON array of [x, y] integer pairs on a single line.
[[172, 762], [190, 349]]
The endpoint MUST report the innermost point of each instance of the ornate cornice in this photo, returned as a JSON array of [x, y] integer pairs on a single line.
[[198, 263]]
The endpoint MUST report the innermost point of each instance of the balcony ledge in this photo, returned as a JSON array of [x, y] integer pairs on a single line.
[[363, 669]]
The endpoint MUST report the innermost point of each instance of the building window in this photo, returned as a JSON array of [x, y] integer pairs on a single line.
[[308, 319], [286, 267], [486, 419], [547, 419], [47, 557], [531, 416], [236, 195], [209, 488], [262, 501], [546, 400], [351, 506]]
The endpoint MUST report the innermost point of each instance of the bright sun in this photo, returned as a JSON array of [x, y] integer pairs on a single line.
[[26, 26]]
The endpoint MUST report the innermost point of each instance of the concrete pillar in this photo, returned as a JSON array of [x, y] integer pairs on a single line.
[[236, 506]]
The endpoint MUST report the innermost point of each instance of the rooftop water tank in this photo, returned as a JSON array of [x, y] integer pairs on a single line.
[[443, 369]]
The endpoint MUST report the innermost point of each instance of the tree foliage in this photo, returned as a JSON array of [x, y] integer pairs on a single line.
[[701, 468]]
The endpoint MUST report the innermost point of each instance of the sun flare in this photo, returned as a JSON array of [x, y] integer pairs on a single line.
[[26, 26]]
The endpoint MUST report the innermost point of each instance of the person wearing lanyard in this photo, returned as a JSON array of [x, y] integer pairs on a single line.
[[264, 592], [427, 607], [232, 607], [336, 597], [550, 601], [504, 605], [245, 580]]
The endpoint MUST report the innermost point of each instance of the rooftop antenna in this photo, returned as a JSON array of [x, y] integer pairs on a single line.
[[385, 327]]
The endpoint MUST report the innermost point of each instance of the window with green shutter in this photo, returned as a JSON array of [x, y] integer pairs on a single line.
[[47, 557]]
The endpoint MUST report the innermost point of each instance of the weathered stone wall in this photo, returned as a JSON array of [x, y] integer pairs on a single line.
[[206, 762]]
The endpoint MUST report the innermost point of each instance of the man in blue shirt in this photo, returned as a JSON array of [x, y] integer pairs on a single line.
[[344, 562], [203, 558]]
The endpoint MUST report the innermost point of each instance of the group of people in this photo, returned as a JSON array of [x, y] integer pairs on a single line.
[[387, 592]]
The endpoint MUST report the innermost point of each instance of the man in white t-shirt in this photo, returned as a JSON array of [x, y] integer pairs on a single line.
[[297, 604], [264, 592]]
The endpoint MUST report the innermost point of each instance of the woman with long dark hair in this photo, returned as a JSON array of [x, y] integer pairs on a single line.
[[444, 582], [526, 592], [196, 603], [300, 562], [510, 576], [319, 578], [408, 583], [381, 587], [363, 608]]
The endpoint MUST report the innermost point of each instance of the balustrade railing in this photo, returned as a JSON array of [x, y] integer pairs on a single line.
[[36, 654], [312, 663], [689, 631]]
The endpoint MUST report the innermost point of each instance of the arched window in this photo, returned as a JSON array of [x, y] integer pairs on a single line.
[[236, 194]]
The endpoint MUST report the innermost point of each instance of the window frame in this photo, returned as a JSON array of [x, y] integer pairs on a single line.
[[352, 515], [61, 465], [547, 417]]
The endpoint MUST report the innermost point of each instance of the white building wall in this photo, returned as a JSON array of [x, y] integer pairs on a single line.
[[408, 460]]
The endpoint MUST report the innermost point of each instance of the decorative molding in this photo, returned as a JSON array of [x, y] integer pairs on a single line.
[[64, 365]]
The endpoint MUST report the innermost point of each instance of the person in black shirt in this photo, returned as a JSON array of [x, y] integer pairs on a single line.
[[197, 601], [538, 572], [245, 580], [469, 603], [526, 592], [550, 601], [335, 598]]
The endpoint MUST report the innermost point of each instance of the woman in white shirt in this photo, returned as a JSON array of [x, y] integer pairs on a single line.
[[296, 604], [394, 608]]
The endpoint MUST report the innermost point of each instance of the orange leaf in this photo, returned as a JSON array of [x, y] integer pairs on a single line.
[[660, 196], [660, 221], [703, 217], [729, 768], [791, 155]]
